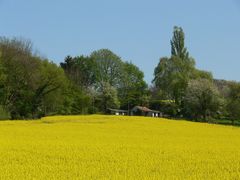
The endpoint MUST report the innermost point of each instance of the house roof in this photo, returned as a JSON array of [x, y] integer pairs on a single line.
[[144, 109]]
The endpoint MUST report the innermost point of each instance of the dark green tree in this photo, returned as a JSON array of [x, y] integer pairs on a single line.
[[133, 90], [102, 69], [108, 97], [50, 88], [202, 99], [108, 67], [28, 79], [80, 70], [178, 44], [233, 102], [171, 76]]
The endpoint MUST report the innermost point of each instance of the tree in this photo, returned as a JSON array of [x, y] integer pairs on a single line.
[[108, 67], [178, 45], [133, 90], [223, 87], [80, 70], [108, 97], [95, 79], [52, 82], [233, 102], [19, 68], [2, 77], [75, 101], [171, 76], [202, 99], [28, 79], [200, 74], [103, 70]]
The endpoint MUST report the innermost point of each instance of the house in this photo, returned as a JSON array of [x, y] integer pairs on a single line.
[[136, 111], [144, 111], [118, 112]]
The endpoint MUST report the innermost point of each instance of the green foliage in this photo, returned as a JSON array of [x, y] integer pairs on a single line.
[[233, 102], [108, 67], [172, 75], [32, 86], [2, 78], [4, 114], [95, 80], [178, 45], [104, 71], [28, 79], [80, 70], [168, 108], [202, 99], [19, 68], [108, 97], [223, 87], [200, 74], [133, 89], [76, 101]]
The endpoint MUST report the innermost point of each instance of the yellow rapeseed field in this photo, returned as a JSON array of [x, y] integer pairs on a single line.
[[117, 147]]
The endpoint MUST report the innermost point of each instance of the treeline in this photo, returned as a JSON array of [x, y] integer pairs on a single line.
[[32, 86], [192, 93]]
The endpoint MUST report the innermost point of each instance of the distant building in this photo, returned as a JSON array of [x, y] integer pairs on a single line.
[[118, 112], [136, 111], [144, 111]]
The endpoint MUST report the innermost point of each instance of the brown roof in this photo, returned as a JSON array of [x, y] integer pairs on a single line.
[[145, 109]]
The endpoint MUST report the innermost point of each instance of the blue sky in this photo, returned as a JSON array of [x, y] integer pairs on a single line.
[[137, 30]]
